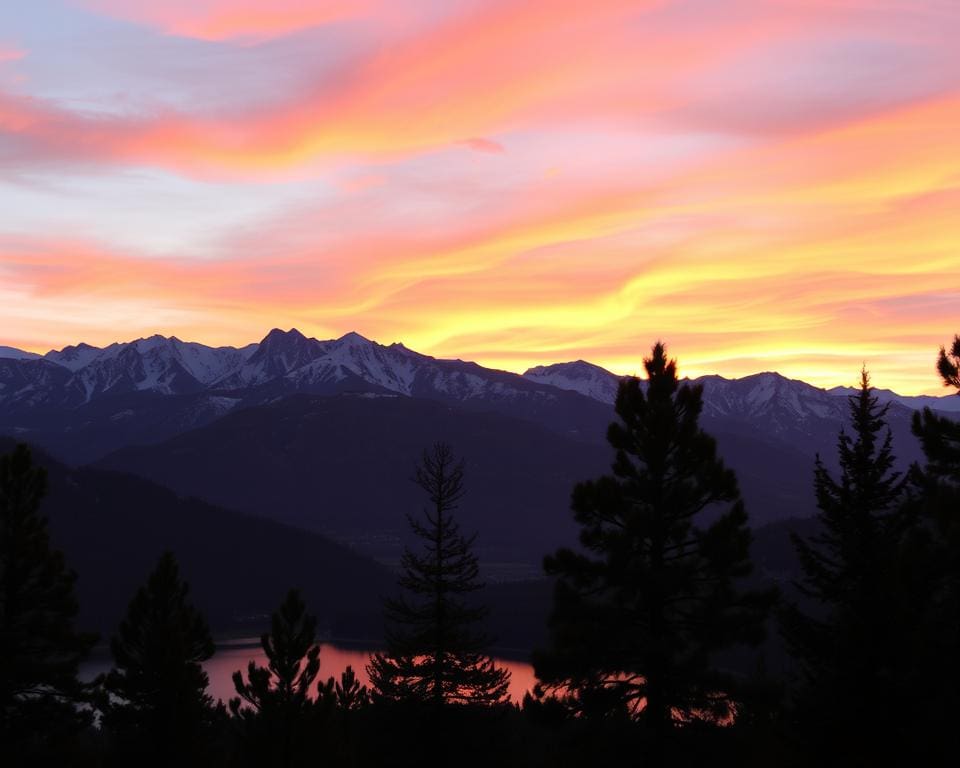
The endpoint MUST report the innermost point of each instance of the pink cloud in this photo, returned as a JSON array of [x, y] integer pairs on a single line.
[[484, 145], [497, 68], [463, 77], [787, 207], [10, 52], [219, 20]]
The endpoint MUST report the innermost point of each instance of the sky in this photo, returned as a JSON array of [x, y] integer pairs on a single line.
[[762, 184]]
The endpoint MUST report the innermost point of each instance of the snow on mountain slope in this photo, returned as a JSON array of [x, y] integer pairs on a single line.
[[73, 357], [394, 368], [278, 354], [916, 402], [205, 364], [579, 376], [288, 361], [397, 369], [760, 393], [157, 364], [12, 353], [28, 383], [768, 394]]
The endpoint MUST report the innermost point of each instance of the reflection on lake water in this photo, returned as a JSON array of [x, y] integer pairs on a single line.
[[235, 654]]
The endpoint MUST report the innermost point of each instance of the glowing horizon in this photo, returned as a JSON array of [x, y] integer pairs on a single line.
[[764, 186]]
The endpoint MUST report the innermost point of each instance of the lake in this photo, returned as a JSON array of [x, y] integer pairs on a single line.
[[235, 653]]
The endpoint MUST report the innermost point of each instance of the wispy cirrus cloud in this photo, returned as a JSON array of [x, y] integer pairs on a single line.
[[244, 20], [787, 266], [763, 185]]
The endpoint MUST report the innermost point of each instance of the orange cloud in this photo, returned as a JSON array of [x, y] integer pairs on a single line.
[[502, 67], [757, 229]]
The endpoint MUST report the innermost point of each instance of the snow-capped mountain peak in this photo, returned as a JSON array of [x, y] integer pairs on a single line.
[[156, 363], [394, 368], [781, 400], [352, 338], [578, 376], [289, 361], [12, 353], [279, 353], [768, 394], [949, 403], [73, 357]]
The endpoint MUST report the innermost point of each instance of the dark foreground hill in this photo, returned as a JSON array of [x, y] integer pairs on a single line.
[[113, 527], [342, 466]]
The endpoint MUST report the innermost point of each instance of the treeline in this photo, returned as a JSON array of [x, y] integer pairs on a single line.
[[644, 611]]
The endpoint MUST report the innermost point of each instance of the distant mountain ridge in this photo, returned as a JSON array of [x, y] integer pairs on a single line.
[[283, 360], [596, 382], [83, 402], [17, 354], [323, 434], [169, 366]]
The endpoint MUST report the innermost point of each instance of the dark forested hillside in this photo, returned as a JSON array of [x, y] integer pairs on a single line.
[[113, 527], [343, 465]]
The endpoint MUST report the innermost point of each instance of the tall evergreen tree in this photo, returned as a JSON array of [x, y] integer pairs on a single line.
[[638, 613], [848, 643], [277, 714], [939, 435], [435, 654], [948, 364], [159, 711], [938, 502], [39, 648], [348, 694]]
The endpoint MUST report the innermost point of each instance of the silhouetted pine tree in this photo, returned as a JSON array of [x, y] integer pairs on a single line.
[[850, 645], [939, 435], [348, 694], [159, 711], [278, 717], [344, 705], [435, 654], [638, 614], [39, 648], [937, 556], [948, 364]]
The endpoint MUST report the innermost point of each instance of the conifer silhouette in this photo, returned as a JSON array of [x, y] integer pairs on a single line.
[[639, 611], [435, 653], [939, 435], [274, 703], [849, 644], [948, 364], [159, 711], [348, 693], [39, 648], [937, 556]]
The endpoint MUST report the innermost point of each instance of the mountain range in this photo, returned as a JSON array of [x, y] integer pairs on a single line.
[[72, 389], [323, 435], [288, 463], [290, 361], [82, 402]]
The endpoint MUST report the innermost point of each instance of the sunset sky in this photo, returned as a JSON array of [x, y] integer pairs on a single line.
[[763, 184]]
